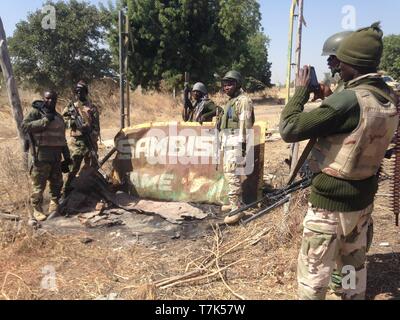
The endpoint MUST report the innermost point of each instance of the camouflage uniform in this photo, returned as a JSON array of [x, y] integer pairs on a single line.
[[50, 143], [237, 119], [79, 149], [333, 240]]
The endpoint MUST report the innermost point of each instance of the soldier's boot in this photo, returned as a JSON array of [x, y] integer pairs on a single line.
[[235, 218], [38, 213], [53, 207], [226, 208]]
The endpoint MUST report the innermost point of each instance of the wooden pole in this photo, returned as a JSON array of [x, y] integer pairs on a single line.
[[10, 83], [295, 146], [290, 50]]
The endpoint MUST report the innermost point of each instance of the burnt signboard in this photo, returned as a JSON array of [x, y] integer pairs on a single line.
[[183, 162]]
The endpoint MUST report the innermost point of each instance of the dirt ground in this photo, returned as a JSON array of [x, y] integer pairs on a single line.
[[256, 262]]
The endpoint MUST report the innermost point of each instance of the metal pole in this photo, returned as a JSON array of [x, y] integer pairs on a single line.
[[11, 85], [128, 95], [121, 67]]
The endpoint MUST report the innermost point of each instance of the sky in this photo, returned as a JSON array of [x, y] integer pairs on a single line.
[[323, 18]]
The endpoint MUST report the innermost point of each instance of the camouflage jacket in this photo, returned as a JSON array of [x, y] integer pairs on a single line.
[[238, 114], [90, 116]]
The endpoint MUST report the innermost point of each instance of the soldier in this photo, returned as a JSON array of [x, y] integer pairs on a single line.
[[46, 131], [354, 128], [203, 110], [237, 118], [85, 138], [330, 48]]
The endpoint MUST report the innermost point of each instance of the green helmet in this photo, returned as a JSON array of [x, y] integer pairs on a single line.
[[332, 44], [199, 86], [233, 75]]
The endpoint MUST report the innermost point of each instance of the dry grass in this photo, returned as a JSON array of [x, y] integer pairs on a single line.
[[256, 262], [253, 262]]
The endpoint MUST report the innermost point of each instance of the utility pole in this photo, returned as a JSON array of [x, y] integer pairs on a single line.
[[11, 85], [290, 50], [295, 146], [121, 67], [128, 88], [300, 15]]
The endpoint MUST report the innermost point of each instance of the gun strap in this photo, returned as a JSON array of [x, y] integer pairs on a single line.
[[302, 159]]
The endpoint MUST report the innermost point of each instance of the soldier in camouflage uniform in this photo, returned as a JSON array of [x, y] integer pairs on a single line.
[[46, 131], [354, 127], [203, 110], [237, 119], [91, 126]]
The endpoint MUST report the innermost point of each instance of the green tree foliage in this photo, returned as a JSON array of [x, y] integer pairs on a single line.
[[202, 37], [59, 58], [391, 56]]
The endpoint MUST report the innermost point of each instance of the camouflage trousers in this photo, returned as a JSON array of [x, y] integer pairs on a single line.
[[333, 241], [232, 178], [79, 153], [41, 173]]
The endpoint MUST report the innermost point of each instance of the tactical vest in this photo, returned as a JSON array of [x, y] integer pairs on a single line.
[[53, 135], [358, 155], [84, 111], [230, 119]]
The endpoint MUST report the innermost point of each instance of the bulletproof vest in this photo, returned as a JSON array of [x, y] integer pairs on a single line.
[[358, 155], [53, 135], [230, 119], [85, 113]]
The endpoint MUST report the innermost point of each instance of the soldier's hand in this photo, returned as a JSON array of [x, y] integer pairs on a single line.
[[303, 78]]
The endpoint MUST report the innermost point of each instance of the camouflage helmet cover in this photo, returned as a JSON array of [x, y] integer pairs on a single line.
[[233, 75], [332, 44], [199, 86]]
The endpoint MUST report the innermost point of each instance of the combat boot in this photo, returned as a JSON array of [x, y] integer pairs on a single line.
[[226, 208], [235, 218], [53, 207], [38, 213]]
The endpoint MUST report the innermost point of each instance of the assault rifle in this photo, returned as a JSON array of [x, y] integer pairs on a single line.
[[274, 199], [87, 139]]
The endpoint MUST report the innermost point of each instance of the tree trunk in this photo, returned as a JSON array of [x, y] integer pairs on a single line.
[[10, 83]]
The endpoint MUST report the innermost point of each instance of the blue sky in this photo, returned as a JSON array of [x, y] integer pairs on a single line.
[[323, 18]]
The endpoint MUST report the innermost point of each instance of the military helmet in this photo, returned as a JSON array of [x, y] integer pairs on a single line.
[[233, 75], [199, 86], [82, 85], [332, 44]]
